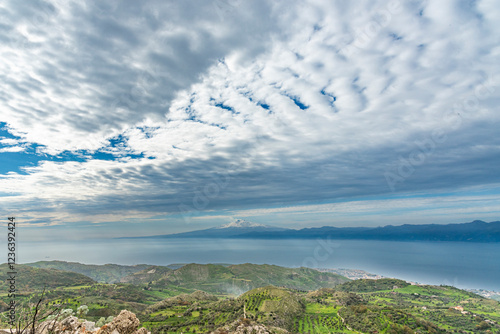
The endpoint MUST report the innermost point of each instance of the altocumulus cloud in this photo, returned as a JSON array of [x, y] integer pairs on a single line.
[[251, 103]]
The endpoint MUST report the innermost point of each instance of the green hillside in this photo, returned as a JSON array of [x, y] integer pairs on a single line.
[[272, 306], [235, 279], [149, 274], [183, 299], [107, 273], [215, 278], [180, 301], [30, 279], [409, 309], [372, 285]]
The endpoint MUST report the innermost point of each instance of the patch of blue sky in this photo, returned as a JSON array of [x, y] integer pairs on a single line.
[[4, 132], [226, 107], [297, 102], [17, 162], [99, 155], [148, 130], [395, 37], [331, 98], [259, 103], [265, 106], [31, 156]]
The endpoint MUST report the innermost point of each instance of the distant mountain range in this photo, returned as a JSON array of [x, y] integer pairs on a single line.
[[476, 231], [231, 230]]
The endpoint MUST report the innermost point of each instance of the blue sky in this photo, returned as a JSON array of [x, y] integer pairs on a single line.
[[153, 117]]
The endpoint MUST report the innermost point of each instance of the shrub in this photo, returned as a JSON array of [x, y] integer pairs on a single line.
[[483, 325], [81, 311], [66, 313], [101, 322]]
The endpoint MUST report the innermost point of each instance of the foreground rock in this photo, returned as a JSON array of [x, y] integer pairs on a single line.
[[125, 323], [245, 326]]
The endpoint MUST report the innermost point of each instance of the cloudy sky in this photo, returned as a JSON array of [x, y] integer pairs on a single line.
[[138, 118]]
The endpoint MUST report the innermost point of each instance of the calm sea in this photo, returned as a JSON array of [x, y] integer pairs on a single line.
[[464, 265]]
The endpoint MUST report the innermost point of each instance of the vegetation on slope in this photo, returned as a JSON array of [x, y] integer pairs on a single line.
[[107, 273], [409, 309], [366, 306], [236, 279], [372, 285], [30, 279], [183, 299], [149, 274]]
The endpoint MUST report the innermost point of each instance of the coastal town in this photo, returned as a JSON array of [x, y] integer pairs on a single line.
[[355, 274], [352, 273]]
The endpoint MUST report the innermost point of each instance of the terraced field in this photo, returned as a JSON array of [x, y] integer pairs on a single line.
[[387, 306]]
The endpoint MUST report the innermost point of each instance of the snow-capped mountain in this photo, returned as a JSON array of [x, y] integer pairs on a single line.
[[242, 223], [233, 229]]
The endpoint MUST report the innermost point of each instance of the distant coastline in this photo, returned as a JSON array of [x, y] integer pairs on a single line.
[[476, 231]]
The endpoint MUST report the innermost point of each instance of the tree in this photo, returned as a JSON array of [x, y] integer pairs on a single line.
[[483, 325], [81, 311], [101, 322]]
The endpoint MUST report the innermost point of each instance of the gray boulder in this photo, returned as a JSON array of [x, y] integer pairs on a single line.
[[125, 323], [88, 325], [70, 324]]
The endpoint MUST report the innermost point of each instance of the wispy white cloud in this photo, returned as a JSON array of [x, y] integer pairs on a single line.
[[413, 205], [12, 149], [9, 141]]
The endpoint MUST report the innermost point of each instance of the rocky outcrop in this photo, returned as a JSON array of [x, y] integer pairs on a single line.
[[125, 323], [88, 326], [245, 326], [70, 324]]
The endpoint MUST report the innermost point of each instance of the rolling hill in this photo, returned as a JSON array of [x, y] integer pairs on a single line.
[[194, 299], [30, 279], [107, 273], [236, 278], [214, 278], [149, 274], [405, 309]]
